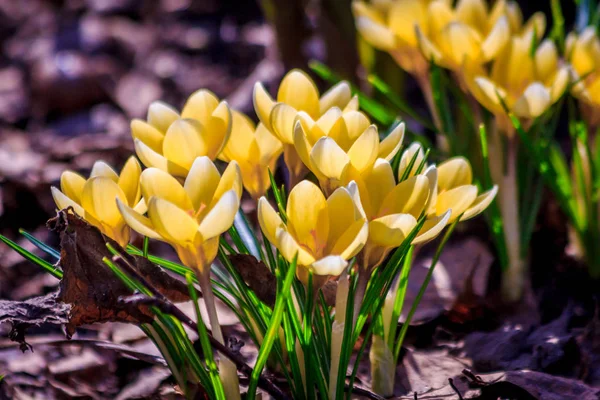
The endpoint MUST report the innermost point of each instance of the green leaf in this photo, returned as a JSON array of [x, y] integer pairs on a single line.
[[51, 269], [41, 245]]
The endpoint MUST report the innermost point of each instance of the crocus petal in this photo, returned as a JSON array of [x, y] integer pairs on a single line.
[[432, 228], [432, 174], [63, 202], [282, 121], [269, 220], [217, 130], [408, 197], [461, 43], [329, 266], [184, 142], [99, 199], [171, 222], [300, 92], [137, 221], [496, 40], [71, 184], [151, 158], [356, 123], [378, 184], [101, 168], [536, 24], [161, 115], [351, 242], [288, 247], [231, 179], [129, 180], [308, 218], [240, 140], [148, 134], [439, 15], [303, 147], [391, 144], [377, 35], [157, 183], [561, 80], [535, 100], [454, 172], [481, 203], [458, 200], [546, 59], [390, 231], [337, 96], [364, 151], [329, 159], [430, 51], [200, 105], [220, 218], [270, 147], [403, 16], [489, 94], [472, 12], [201, 183], [342, 213], [407, 156], [263, 103]]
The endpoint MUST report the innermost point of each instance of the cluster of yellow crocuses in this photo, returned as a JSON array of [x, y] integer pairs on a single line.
[[496, 56], [359, 207]]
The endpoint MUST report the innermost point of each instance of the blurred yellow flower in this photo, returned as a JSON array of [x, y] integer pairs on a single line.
[[393, 210], [323, 232], [583, 53], [94, 198], [256, 151], [171, 142], [190, 217], [338, 146], [297, 92], [527, 84]]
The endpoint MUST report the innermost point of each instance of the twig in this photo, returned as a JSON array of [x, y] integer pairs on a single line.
[[364, 392], [415, 396], [451, 382], [162, 303]]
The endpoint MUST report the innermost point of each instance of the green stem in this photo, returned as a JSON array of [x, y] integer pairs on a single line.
[[337, 333]]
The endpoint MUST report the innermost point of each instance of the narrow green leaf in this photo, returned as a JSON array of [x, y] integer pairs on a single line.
[[51, 269], [41, 245]]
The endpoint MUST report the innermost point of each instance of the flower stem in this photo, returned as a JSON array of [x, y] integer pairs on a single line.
[[337, 332], [227, 367]]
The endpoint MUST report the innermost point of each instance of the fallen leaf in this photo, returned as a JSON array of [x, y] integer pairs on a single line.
[[257, 276]]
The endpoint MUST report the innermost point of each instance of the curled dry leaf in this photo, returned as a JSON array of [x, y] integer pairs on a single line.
[[257, 276]]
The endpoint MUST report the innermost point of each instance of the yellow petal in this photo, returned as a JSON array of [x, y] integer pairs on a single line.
[[408, 197], [300, 92], [308, 218], [352, 105], [220, 218], [515, 17], [362, 9], [72, 184], [546, 59], [148, 134], [351, 242], [454, 172], [288, 247], [378, 184], [329, 159], [390, 231], [496, 40], [171, 222], [230, 180], [137, 221], [489, 95], [63, 202], [432, 174], [184, 142], [263, 103], [403, 16], [407, 156], [432, 227], [282, 121], [329, 266], [480, 204], [439, 14], [303, 147], [561, 80], [269, 220], [430, 51], [473, 13], [377, 35], [535, 100], [329, 125], [535, 24], [101, 168], [356, 123], [458, 200], [161, 115], [157, 183], [151, 158], [342, 214], [129, 180], [391, 144], [202, 182], [270, 147], [365, 150], [461, 43], [338, 96], [99, 199], [217, 130], [242, 134], [200, 106]]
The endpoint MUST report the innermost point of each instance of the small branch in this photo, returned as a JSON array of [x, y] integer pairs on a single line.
[[162, 303], [451, 382], [365, 392]]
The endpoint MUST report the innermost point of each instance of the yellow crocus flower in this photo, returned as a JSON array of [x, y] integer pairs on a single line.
[[393, 210], [583, 53], [297, 92], [527, 84], [339, 146], [323, 232], [171, 142], [190, 217], [256, 151], [94, 198]]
